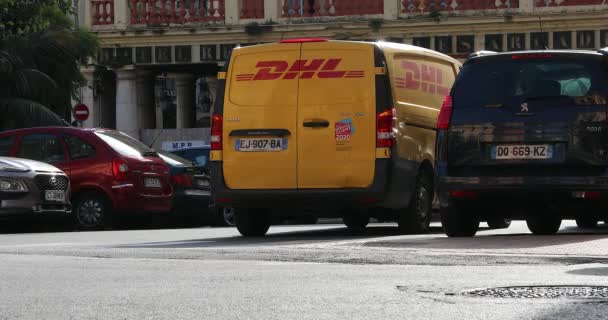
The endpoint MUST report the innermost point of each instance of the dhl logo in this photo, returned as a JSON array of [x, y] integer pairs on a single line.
[[301, 69], [421, 77]]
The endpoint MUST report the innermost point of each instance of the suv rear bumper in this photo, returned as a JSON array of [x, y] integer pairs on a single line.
[[522, 183], [374, 196], [491, 195]]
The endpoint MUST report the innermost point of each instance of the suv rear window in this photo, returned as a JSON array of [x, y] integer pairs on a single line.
[[125, 145], [496, 81]]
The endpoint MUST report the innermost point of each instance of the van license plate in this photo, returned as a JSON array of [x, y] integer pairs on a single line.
[[151, 182], [54, 195], [260, 144], [522, 152]]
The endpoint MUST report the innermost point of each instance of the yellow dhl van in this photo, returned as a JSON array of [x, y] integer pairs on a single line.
[[336, 128]]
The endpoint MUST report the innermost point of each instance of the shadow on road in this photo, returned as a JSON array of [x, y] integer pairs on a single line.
[[310, 236]]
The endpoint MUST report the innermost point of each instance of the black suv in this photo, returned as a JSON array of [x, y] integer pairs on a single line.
[[524, 135]]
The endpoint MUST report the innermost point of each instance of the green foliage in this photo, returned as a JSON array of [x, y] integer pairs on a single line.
[[41, 52]]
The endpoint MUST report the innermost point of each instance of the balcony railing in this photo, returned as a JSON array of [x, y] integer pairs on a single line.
[[176, 11], [418, 6], [315, 8], [102, 12], [252, 9]]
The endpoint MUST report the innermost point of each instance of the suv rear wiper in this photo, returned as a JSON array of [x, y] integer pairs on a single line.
[[493, 105], [536, 98]]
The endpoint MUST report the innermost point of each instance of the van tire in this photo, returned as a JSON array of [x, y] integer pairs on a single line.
[[251, 223], [586, 222], [458, 222], [543, 225], [356, 222], [417, 217], [498, 223]]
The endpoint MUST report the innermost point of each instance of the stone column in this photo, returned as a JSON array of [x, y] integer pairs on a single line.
[[146, 110], [232, 12], [126, 101], [272, 10], [184, 88], [122, 14], [392, 9], [86, 97]]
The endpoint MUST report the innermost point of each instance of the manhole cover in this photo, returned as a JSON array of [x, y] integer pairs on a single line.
[[542, 292]]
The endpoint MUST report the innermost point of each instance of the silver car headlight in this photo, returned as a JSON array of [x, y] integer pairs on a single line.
[[10, 185]]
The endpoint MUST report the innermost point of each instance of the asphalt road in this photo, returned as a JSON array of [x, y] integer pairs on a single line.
[[297, 272]]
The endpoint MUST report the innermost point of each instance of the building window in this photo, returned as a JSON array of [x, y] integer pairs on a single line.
[[166, 101], [205, 97]]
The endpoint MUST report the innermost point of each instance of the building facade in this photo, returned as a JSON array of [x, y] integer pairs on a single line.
[[156, 75]]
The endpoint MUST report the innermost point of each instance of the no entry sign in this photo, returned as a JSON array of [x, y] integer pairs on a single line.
[[81, 112]]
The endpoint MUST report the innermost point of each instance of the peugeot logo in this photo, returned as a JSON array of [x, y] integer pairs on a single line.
[[53, 180], [524, 107]]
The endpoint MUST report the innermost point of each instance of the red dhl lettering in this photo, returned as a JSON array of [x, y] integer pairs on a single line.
[[422, 77], [300, 69]]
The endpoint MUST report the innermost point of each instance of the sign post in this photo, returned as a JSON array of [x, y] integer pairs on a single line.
[[81, 112]]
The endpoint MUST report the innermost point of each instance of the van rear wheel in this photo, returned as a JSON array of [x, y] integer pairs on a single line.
[[458, 222], [251, 223], [356, 222], [543, 224], [498, 223], [417, 218], [586, 222]]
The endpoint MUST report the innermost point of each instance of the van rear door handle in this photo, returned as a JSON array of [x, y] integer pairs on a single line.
[[316, 123], [260, 132]]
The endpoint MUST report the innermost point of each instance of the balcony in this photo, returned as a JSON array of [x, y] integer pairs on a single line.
[[120, 14]]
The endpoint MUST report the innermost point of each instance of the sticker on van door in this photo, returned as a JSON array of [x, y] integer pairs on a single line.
[[344, 131]]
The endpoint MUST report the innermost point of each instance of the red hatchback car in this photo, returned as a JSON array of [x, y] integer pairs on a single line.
[[110, 172]]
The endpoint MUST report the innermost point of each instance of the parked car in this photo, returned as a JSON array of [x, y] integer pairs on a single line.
[[200, 156], [523, 135], [110, 172], [28, 186], [197, 155], [191, 188], [320, 124]]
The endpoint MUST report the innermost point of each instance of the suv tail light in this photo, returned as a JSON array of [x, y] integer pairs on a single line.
[[217, 124], [445, 114], [120, 169], [385, 123], [184, 180]]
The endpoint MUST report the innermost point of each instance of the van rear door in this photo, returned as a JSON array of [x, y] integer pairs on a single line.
[[336, 116], [259, 118]]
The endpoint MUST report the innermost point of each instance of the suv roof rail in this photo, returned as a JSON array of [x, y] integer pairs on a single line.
[[479, 54], [603, 51]]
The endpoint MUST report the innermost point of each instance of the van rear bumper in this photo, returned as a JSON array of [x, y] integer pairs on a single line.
[[305, 198]]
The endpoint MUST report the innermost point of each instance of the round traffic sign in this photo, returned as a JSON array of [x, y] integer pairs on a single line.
[[81, 112]]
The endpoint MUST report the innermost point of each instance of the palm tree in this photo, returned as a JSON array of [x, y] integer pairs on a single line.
[[40, 63]]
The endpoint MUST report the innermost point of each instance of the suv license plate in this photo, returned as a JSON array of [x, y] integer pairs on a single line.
[[260, 144], [151, 182], [522, 152], [54, 195]]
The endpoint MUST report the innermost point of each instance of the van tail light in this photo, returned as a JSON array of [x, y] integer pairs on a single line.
[[120, 169], [183, 180], [385, 124], [445, 114], [217, 124]]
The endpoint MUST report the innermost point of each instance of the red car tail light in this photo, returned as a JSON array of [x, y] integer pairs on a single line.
[[463, 194], [445, 114], [217, 124], [183, 180], [385, 123], [120, 169]]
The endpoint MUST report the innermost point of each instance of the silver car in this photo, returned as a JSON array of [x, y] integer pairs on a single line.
[[28, 186]]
